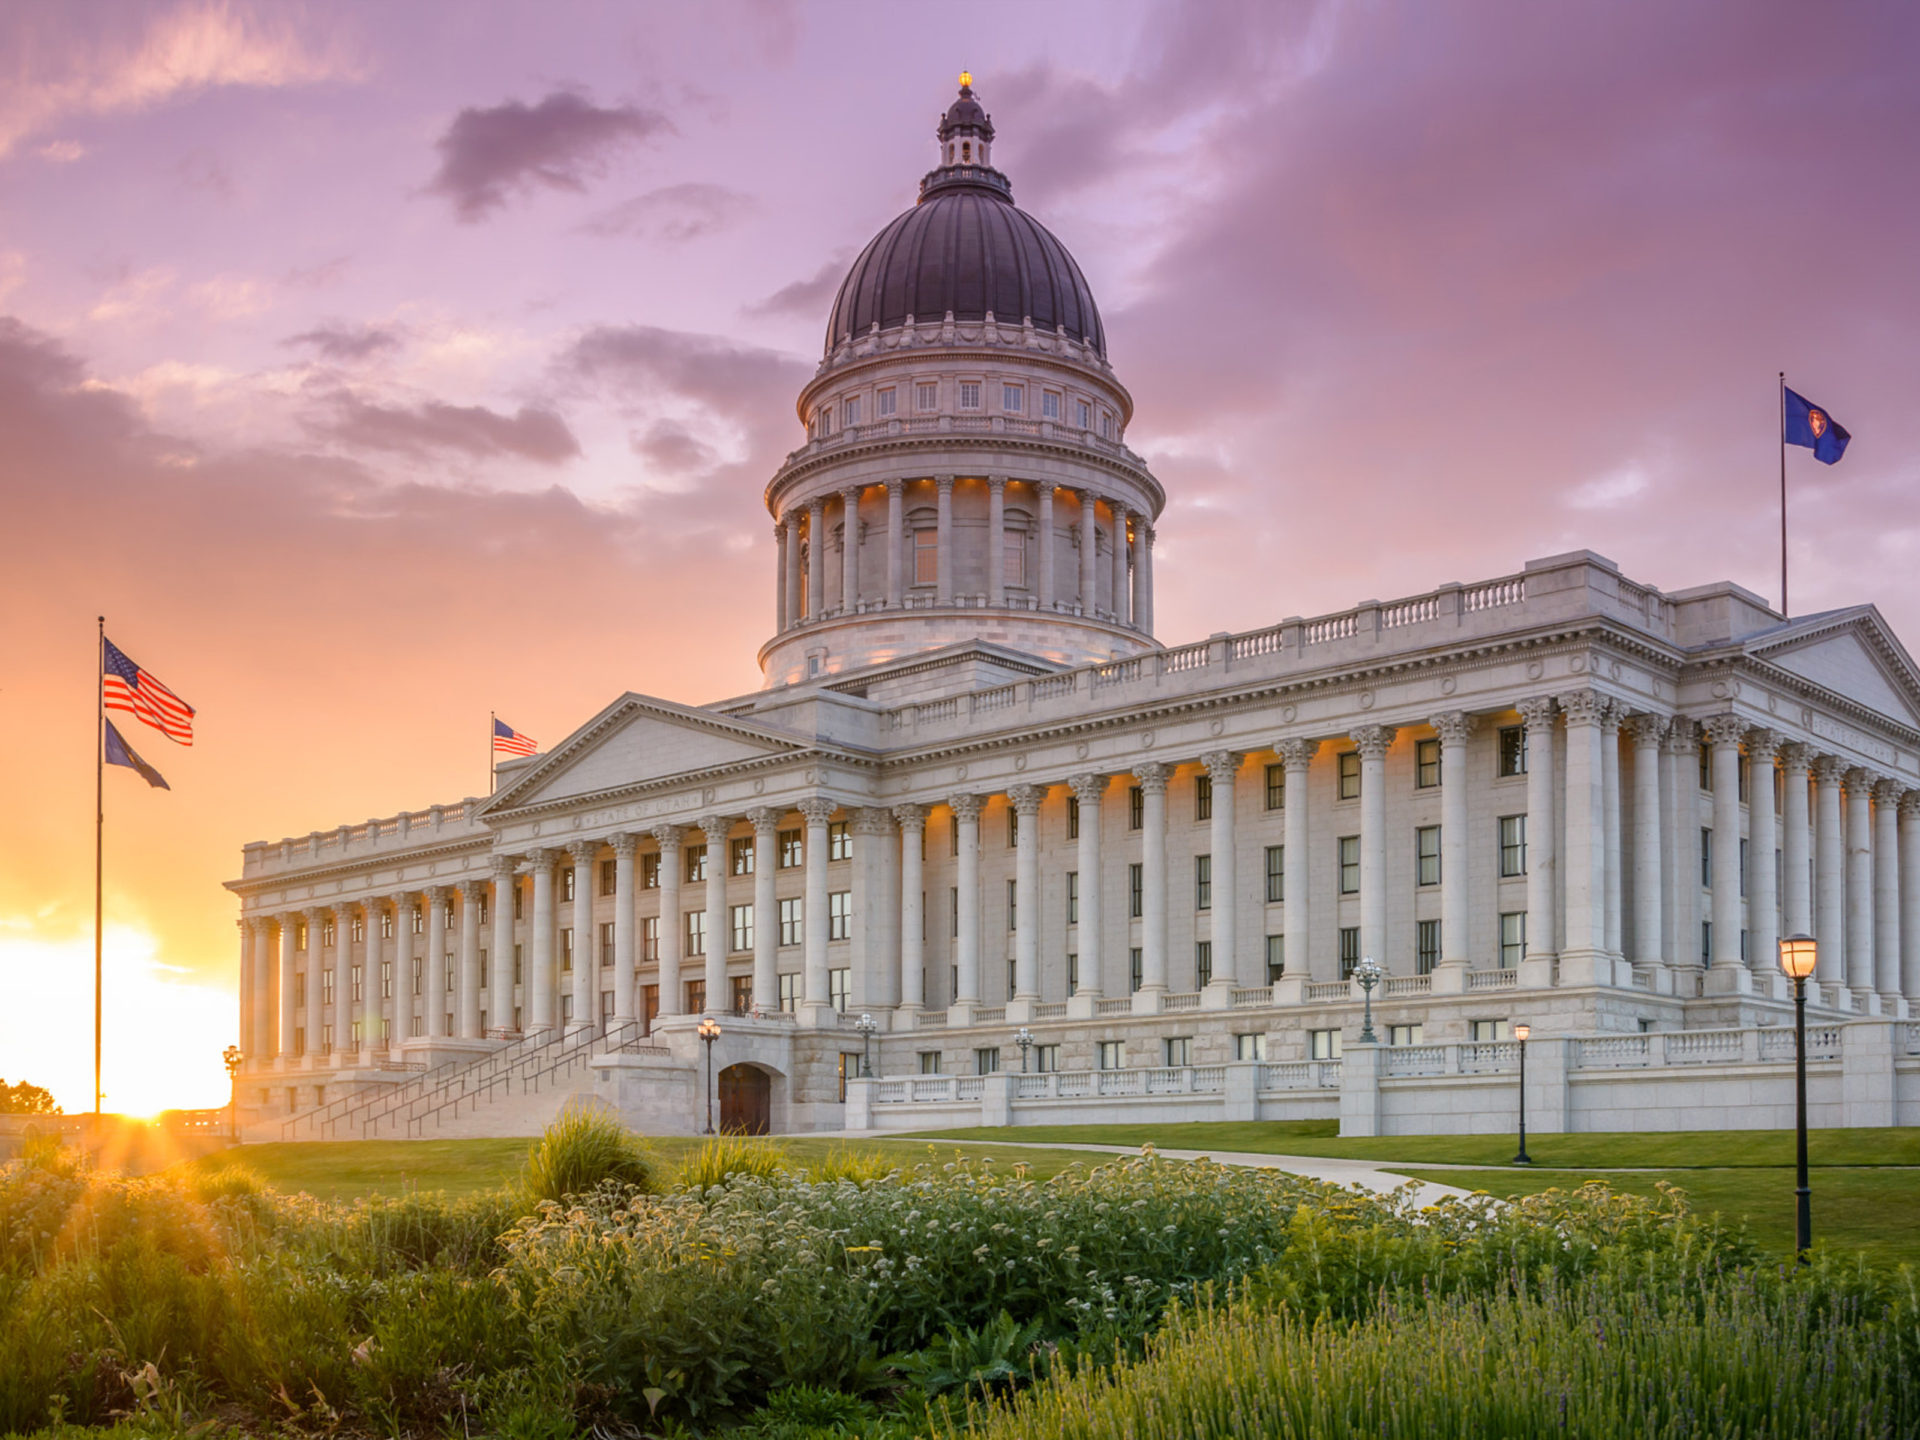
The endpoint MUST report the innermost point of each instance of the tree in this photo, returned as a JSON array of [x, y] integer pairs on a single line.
[[26, 1099]]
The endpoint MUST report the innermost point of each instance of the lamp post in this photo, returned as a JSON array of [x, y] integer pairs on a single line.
[[233, 1057], [1798, 955], [866, 1025], [709, 1032], [1520, 1033], [1367, 972], [1025, 1041]]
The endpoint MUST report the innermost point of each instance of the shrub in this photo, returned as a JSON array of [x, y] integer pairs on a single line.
[[843, 1162], [582, 1150], [727, 1158]]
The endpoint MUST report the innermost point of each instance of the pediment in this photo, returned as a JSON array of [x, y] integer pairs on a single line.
[[638, 741], [1848, 662]]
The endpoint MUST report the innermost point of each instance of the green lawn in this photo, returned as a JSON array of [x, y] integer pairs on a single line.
[[1654, 1150], [1873, 1211]]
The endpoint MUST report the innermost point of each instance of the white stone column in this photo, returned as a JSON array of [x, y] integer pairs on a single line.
[[434, 1009], [849, 550], [289, 1014], [1089, 555], [1723, 734], [1455, 728], [585, 988], [782, 615], [795, 563], [262, 1044], [399, 1006], [912, 820], [1763, 912], [370, 979], [540, 993], [1910, 899], [1612, 854], [1859, 884], [719, 932], [816, 590], [1830, 874], [1583, 946], [1645, 732], [1048, 540], [1025, 800], [343, 979], [817, 811], [1796, 837], [1119, 562], [1088, 791], [1297, 909], [996, 540], [1886, 893], [247, 990], [624, 846], [966, 820], [316, 919], [1143, 581], [896, 551], [506, 886], [1153, 885], [873, 954], [673, 928], [766, 907], [1373, 742], [1542, 941], [943, 542], [466, 1010]]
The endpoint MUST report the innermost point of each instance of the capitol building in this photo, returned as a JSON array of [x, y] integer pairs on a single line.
[[984, 849]]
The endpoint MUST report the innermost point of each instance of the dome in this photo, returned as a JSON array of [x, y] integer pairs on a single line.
[[966, 248]]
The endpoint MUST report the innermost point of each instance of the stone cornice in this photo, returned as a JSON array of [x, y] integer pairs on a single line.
[[360, 865]]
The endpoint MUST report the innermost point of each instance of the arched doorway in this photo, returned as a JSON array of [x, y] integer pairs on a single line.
[[746, 1100]]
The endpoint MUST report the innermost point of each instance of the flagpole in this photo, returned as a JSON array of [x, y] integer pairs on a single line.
[[99, 827], [493, 778], [1783, 494]]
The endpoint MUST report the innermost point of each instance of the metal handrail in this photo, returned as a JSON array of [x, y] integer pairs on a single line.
[[327, 1118], [529, 1070]]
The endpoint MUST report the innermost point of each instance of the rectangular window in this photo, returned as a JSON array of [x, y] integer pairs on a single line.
[[566, 884], [929, 1062], [1349, 950], [926, 395], [852, 410], [1426, 764], [1133, 969], [1276, 874], [839, 915], [606, 943], [649, 938], [1743, 866], [1073, 897], [1203, 797], [1073, 974], [740, 856], [1706, 767], [1202, 964], [609, 876], [792, 849], [1046, 1059], [481, 914], [884, 402], [419, 971], [696, 932], [1113, 1054], [986, 1061], [740, 923], [359, 928], [1414, 1034], [1276, 957], [519, 965], [1136, 807], [1706, 942], [839, 987], [1073, 817], [969, 394], [1489, 1032], [360, 983], [326, 933], [1276, 787], [1049, 404], [1513, 750], [839, 840], [649, 1009], [1250, 1047], [740, 993], [1706, 857], [1136, 890], [326, 1044], [696, 992], [1426, 946], [1349, 864], [386, 920], [484, 967], [1513, 939], [1513, 846], [1744, 771], [1013, 905], [1323, 1044], [1083, 414], [1349, 762], [1013, 979], [1106, 424], [789, 993], [326, 986], [649, 872], [418, 916], [1426, 855], [1013, 399], [1179, 1050], [566, 951], [386, 978], [693, 864], [1203, 882], [606, 1006], [1013, 827]]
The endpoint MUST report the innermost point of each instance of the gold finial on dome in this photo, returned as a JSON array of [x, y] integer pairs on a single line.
[[966, 79]]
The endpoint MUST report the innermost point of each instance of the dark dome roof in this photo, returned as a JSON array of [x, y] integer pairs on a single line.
[[968, 249]]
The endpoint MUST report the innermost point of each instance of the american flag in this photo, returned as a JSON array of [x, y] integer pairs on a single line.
[[127, 687], [509, 741]]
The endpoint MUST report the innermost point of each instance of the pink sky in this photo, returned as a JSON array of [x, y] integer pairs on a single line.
[[372, 367]]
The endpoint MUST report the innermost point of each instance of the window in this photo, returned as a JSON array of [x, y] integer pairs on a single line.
[[1487, 1032], [1202, 964], [791, 849], [789, 993], [740, 918], [839, 915], [649, 940], [1203, 797], [649, 875], [1745, 773], [852, 410], [1349, 950], [1706, 942], [953, 899], [359, 928], [300, 1039], [1073, 897], [1426, 855], [1513, 750], [740, 856], [419, 964], [1106, 424], [1513, 846], [1414, 1034], [839, 840], [1113, 1054], [1203, 882], [1349, 774], [1136, 890], [1250, 1047], [418, 916], [1513, 939], [926, 557], [326, 933], [1013, 979], [1349, 864], [481, 916], [1276, 787], [609, 876], [606, 944], [696, 932], [986, 1061], [1136, 807], [566, 883], [606, 1006], [1073, 817], [693, 864], [1276, 957], [326, 986], [519, 964], [1743, 948], [1706, 767], [884, 402], [360, 983], [1323, 1044], [386, 917], [1013, 904], [696, 992], [1014, 560], [1743, 865], [1049, 404], [1276, 874], [1013, 399], [386, 978], [839, 987], [1083, 414], [1073, 974], [1179, 1050], [1426, 946], [1013, 827], [929, 1062], [1706, 857], [1133, 969], [483, 975], [926, 395], [326, 1043], [1046, 1059], [969, 394], [1426, 764]]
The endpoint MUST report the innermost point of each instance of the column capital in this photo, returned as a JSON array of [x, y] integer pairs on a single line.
[[817, 809], [436, 894], [261, 924], [401, 900], [872, 820], [1144, 533], [1221, 765], [584, 852], [850, 494], [1088, 788], [1582, 707], [343, 909], [1026, 799], [1612, 712], [1152, 776], [504, 867], [1796, 756], [1296, 752], [470, 890], [668, 837], [1829, 769], [943, 484], [1723, 730], [1860, 782], [715, 828], [1683, 736], [997, 484], [764, 818], [780, 532], [895, 487], [624, 843], [910, 817], [1372, 741], [1646, 729], [792, 519], [966, 807], [539, 858], [1888, 792], [1537, 712], [315, 914], [1762, 746], [1454, 727], [1910, 805]]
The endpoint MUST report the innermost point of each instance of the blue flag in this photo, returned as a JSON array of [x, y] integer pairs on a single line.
[[1807, 424], [121, 753]]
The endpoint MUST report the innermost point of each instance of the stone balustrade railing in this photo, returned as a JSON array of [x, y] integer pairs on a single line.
[[411, 828]]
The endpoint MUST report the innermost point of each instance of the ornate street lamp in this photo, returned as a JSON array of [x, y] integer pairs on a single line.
[[1025, 1041], [1520, 1033], [866, 1025], [1367, 972], [233, 1057], [709, 1032], [1798, 956]]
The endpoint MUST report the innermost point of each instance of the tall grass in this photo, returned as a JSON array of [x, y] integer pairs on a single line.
[[587, 1147], [727, 1158]]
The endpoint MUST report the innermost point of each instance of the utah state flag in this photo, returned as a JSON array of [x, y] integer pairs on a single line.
[[1807, 424]]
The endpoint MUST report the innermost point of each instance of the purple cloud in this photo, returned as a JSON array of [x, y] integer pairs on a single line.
[[341, 342], [532, 434], [486, 156], [810, 298], [674, 213]]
